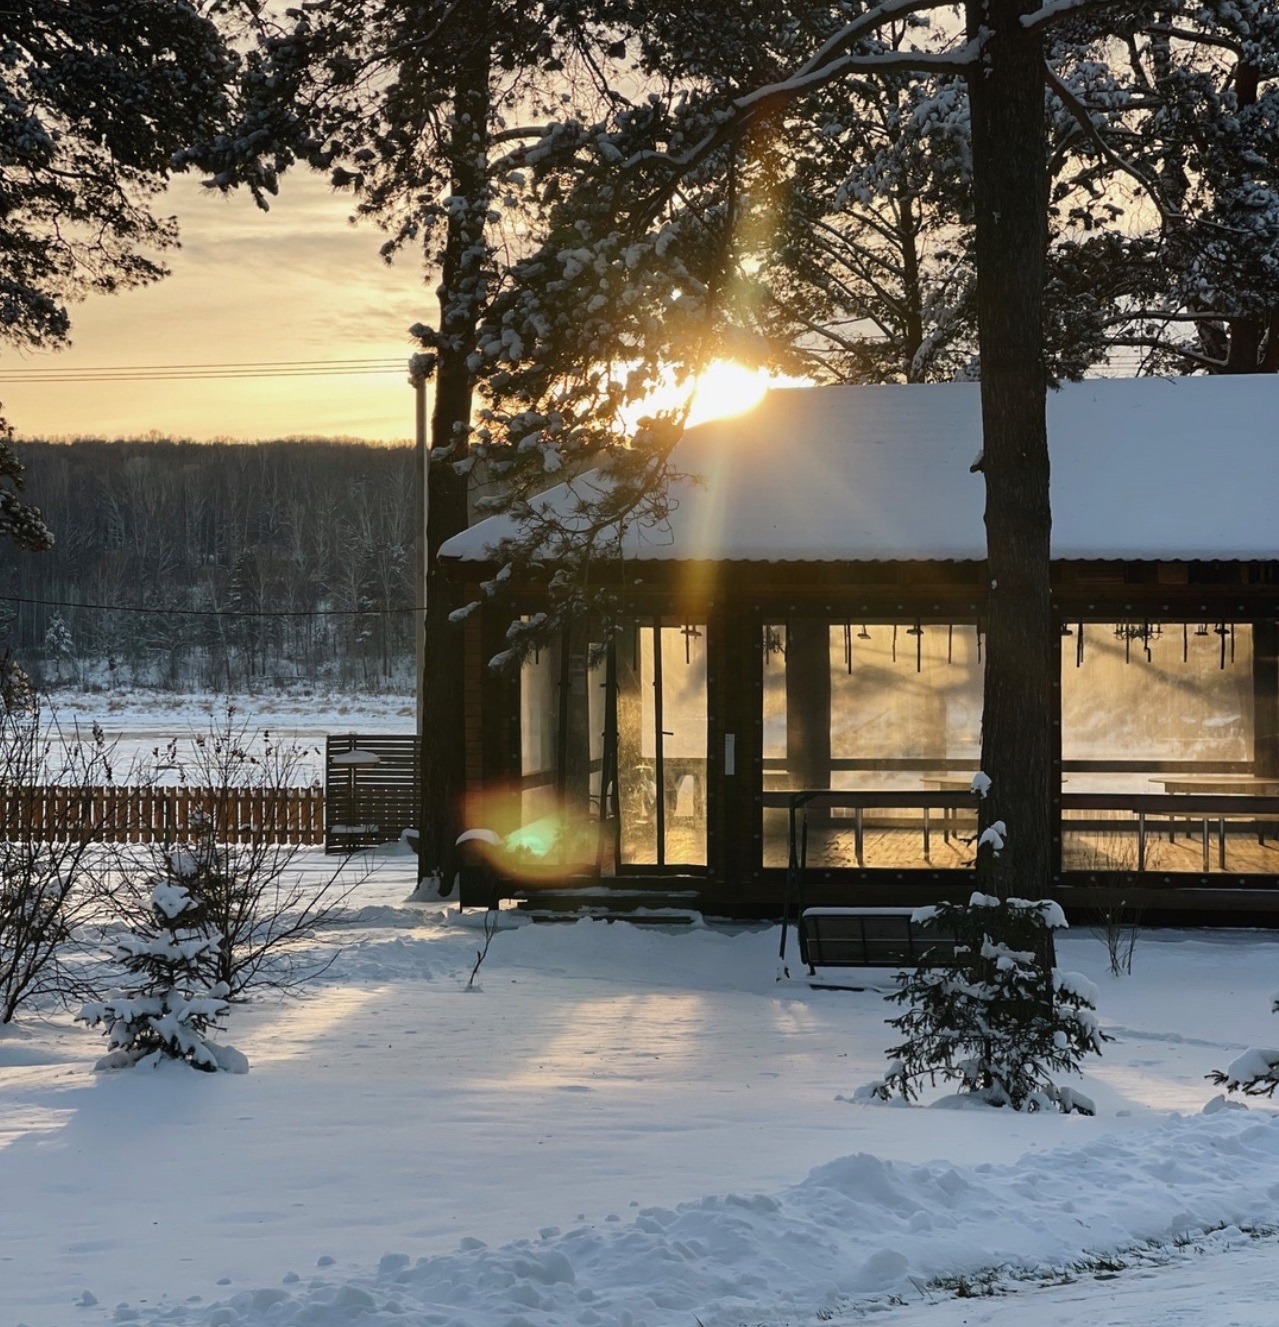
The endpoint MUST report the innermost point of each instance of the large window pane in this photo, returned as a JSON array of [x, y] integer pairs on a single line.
[[1135, 694], [662, 719], [882, 707], [539, 723], [1172, 711]]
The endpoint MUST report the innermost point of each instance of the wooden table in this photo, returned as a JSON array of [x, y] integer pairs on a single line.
[[1243, 784], [950, 814]]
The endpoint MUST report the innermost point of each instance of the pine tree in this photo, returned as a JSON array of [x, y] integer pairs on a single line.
[[994, 1014], [98, 99], [1183, 131], [1255, 1073], [430, 114], [58, 645], [170, 1002]]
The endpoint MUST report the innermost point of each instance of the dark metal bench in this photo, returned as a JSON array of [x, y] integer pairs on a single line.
[[868, 938], [861, 937], [884, 938]]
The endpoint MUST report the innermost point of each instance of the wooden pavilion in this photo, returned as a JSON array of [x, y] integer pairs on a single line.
[[802, 666]]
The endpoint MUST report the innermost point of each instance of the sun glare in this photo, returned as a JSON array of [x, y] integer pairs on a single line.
[[726, 388], [723, 389]]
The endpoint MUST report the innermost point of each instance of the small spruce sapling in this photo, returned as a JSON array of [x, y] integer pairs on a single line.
[[171, 1000], [993, 1012], [1255, 1073]]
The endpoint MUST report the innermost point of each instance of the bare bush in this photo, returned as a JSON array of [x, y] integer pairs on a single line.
[[1118, 926], [1116, 910], [50, 819], [239, 861]]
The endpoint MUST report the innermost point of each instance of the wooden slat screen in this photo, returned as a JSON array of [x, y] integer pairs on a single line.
[[373, 803], [53, 814]]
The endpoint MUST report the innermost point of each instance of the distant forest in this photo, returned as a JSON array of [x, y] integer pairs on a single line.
[[297, 557]]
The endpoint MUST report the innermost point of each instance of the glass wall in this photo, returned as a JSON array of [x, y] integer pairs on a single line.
[[662, 734], [1170, 713], [878, 707], [561, 755], [1136, 695], [615, 782]]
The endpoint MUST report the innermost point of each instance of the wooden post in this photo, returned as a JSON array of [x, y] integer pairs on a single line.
[[419, 581], [572, 729], [1054, 701], [1265, 699], [808, 702]]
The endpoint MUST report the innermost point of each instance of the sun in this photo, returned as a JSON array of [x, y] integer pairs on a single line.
[[726, 388], [723, 389]]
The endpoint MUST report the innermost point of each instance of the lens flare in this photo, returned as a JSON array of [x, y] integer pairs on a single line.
[[557, 840]]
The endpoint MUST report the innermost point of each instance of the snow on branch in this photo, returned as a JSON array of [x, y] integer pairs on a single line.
[[1083, 116], [1180, 350], [829, 63], [1056, 11], [863, 25], [890, 62]]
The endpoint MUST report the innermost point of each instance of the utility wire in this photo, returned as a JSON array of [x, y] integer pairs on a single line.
[[208, 612], [296, 368], [194, 377]]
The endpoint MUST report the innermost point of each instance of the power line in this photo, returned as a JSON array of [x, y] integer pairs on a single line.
[[285, 368], [195, 377], [206, 612], [242, 364]]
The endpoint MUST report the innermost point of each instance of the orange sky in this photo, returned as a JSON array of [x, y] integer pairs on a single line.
[[293, 284], [297, 283]]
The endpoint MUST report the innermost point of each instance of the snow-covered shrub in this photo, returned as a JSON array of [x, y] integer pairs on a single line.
[[1255, 1073], [993, 1012], [170, 1000]]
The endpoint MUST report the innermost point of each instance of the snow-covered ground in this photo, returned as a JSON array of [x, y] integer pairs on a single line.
[[629, 1126], [138, 723]]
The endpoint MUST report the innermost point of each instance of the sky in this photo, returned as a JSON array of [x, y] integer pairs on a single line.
[[296, 283]]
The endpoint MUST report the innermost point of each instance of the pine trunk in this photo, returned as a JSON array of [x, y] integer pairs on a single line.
[[461, 290], [1010, 195]]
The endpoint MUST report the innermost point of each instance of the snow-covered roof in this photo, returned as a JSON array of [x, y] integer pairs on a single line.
[[1146, 468]]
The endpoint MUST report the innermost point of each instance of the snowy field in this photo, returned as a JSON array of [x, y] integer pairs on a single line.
[[138, 722], [632, 1126]]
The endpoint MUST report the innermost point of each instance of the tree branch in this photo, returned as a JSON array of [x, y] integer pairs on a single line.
[[766, 100], [1080, 111], [1057, 11], [1197, 38], [1183, 352], [1160, 316]]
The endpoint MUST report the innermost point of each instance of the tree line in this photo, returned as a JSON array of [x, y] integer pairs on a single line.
[[292, 561]]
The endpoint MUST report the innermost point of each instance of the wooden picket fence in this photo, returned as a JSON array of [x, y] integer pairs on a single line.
[[53, 814]]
